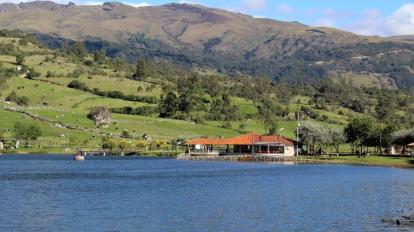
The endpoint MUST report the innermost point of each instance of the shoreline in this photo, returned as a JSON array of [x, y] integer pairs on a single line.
[[376, 161], [362, 162]]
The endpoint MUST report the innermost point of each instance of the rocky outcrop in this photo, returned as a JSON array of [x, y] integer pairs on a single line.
[[101, 116]]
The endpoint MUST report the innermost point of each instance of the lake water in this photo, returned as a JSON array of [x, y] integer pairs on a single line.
[[55, 193]]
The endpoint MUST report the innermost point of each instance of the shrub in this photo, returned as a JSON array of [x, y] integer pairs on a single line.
[[23, 42], [21, 101], [78, 85]]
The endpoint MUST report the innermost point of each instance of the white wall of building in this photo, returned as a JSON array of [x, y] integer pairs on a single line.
[[289, 150]]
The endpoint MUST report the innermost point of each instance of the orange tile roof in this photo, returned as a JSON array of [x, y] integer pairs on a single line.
[[246, 139]]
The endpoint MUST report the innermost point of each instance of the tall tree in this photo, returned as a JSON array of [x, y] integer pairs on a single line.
[[99, 57], [168, 105], [358, 130], [79, 49], [187, 90], [142, 70], [268, 112]]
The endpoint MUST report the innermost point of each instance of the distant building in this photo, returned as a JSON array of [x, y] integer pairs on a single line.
[[401, 150], [272, 145]]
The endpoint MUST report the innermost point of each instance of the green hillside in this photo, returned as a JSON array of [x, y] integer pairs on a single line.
[[57, 89]]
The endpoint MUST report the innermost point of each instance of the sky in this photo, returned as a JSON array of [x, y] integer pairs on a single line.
[[365, 17]]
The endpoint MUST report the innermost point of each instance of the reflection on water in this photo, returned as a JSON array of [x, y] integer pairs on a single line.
[[134, 194]]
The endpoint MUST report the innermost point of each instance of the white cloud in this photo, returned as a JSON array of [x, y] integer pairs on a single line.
[[370, 23], [139, 4], [285, 8], [255, 5], [401, 22], [328, 19]]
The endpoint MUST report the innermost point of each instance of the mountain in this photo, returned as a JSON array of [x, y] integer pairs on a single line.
[[229, 42]]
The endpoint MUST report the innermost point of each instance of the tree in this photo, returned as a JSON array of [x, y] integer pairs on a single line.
[[336, 137], [383, 109], [168, 105], [142, 70], [271, 126], [223, 109], [28, 133], [379, 136], [20, 59], [403, 137], [242, 127], [79, 49], [99, 57], [23, 42], [187, 91], [358, 131], [268, 112], [314, 136], [33, 133]]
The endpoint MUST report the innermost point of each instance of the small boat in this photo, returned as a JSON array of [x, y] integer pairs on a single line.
[[79, 156]]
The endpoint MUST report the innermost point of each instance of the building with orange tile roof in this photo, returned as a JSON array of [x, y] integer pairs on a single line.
[[250, 143]]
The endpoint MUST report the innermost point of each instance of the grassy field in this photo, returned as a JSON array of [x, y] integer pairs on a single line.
[[111, 84], [406, 162]]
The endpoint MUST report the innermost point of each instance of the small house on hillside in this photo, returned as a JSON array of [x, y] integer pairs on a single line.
[[248, 144]]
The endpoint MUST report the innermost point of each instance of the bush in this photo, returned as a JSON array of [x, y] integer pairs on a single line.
[[125, 134], [141, 145], [78, 85], [20, 59], [226, 125], [88, 62], [21, 101], [23, 42], [143, 110], [76, 73], [32, 74]]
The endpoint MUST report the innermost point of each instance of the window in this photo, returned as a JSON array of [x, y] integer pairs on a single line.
[[277, 149]]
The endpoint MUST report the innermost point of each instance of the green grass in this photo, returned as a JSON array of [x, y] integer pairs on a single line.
[[166, 128], [59, 66], [7, 59], [59, 96], [49, 131], [370, 160], [245, 106], [106, 83]]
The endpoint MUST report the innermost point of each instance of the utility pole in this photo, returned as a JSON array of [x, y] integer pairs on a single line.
[[297, 135]]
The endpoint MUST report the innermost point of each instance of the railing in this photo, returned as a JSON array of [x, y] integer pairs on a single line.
[[225, 152]]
